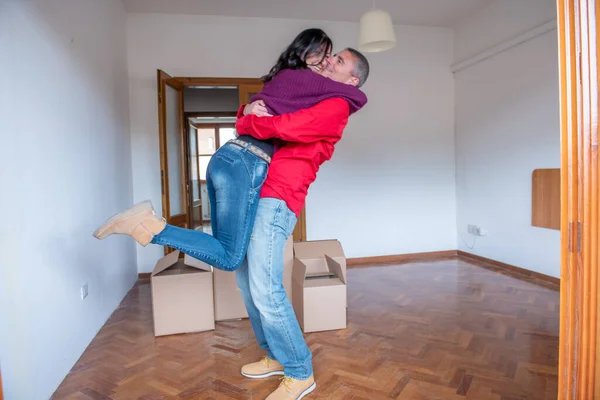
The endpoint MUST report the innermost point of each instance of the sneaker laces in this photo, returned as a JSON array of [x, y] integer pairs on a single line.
[[265, 361], [287, 382]]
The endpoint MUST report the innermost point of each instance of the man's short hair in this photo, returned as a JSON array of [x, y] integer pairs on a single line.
[[361, 66]]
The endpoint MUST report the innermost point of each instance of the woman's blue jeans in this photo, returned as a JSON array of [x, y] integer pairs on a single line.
[[234, 178]]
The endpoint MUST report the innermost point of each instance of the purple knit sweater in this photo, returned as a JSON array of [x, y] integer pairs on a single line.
[[292, 90]]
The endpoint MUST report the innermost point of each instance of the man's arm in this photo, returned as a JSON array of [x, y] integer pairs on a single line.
[[324, 120]]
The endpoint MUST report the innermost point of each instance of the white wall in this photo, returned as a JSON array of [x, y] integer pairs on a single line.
[[390, 186], [507, 125], [500, 21], [66, 166]]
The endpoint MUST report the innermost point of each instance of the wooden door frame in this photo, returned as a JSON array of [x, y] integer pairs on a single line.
[[579, 358], [163, 80]]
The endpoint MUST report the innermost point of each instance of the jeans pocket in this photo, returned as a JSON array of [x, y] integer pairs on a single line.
[[260, 174], [225, 158], [292, 221], [285, 219]]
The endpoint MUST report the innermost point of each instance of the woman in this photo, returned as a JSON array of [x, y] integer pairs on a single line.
[[238, 169]]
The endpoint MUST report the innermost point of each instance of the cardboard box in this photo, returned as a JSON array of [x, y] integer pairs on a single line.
[[319, 299], [228, 298], [312, 254], [182, 295], [288, 266]]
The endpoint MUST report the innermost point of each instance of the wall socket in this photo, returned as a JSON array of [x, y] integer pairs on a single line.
[[476, 230], [84, 291]]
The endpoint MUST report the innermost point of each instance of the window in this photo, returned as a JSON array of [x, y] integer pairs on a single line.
[[210, 138], [226, 134]]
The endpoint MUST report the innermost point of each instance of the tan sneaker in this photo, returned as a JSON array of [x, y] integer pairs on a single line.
[[262, 369], [292, 389], [140, 222]]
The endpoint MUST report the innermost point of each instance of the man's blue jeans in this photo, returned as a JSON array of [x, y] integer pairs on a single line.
[[260, 279], [234, 178]]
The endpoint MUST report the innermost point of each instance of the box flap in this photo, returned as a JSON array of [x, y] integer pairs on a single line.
[[299, 272], [335, 268], [195, 263], [179, 268], [167, 261], [317, 249]]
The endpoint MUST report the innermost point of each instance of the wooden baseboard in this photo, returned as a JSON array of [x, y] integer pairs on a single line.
[[381, 260], [398, 258], [433, 255], [511, 268]]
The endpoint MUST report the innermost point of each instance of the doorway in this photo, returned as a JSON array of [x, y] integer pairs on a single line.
[[196, 116]]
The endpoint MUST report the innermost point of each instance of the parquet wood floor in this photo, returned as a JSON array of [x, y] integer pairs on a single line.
[[445, 329]]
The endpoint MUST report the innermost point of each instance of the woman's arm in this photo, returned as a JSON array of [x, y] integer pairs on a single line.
[[325, 120]]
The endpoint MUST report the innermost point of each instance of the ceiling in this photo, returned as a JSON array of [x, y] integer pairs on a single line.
[[406, 12]]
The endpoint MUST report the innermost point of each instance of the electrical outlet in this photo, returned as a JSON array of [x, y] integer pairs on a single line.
[[84, 291], [476, 230]]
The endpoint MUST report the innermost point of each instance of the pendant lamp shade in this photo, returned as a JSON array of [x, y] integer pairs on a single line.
[[376, 32]]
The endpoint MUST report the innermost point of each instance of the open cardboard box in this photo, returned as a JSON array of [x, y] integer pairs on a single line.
[[312, 254], [228, 298], [182, 295], [319, 298]]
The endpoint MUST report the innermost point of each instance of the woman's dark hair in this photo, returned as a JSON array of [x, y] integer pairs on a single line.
[[309, 42]]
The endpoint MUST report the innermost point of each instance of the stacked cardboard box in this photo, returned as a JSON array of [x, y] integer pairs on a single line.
[[182, 295]]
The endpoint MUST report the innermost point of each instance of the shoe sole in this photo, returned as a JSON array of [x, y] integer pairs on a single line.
[[268, 374], [139, 208], [308, 390]]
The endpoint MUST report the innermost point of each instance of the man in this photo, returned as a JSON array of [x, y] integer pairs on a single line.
[[310, 135]]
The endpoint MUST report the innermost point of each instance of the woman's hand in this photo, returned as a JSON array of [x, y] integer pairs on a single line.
[[257, 108]]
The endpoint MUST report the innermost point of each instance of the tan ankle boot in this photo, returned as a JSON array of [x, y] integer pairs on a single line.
[[140, 222], [293, 389], [262, 369]]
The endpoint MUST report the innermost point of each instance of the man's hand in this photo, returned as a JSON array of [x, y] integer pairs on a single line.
[[257, 108]]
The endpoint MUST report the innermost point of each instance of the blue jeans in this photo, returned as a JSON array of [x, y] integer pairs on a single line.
[[234, 178], [260, 279]]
